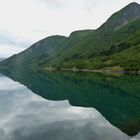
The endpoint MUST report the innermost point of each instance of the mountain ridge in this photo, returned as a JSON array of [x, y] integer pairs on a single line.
[[92, 49], [114, 23]]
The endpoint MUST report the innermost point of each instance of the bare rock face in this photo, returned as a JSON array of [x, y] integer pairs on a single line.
[[129, 13], [121, 18]]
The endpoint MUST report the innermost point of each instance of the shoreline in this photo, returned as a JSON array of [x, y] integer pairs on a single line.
[[105, 71]]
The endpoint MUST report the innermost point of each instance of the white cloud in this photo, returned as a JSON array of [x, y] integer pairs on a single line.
[[32, 20], [25, 116], [9, 50]]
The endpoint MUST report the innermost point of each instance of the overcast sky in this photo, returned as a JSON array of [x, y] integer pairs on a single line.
[[23, 22]]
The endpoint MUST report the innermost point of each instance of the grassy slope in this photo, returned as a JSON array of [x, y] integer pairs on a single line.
[[122, 49], [108, 46]]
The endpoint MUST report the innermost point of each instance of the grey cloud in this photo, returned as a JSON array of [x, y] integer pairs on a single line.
[[26, 116], [136, 137], [12, 40], [11, 44], [64, 130]]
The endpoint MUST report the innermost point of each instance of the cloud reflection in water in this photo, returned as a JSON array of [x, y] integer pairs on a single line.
[[26, 116]]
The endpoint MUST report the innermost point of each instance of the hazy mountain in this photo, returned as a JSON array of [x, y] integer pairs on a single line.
[[116, 44], [1, 59]]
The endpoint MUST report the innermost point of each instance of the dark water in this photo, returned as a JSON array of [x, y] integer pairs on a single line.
[[77, 106]]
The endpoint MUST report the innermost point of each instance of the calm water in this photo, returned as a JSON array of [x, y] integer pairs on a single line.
[[60, 106]]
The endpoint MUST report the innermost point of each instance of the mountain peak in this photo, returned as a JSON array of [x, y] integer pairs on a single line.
[[123, 17], [134, 4], [127, 14], [133, 7]]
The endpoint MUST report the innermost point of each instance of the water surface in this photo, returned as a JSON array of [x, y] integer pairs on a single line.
[[74, 106]]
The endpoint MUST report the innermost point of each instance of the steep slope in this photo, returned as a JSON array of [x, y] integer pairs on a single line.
[[122, 17], [45, 50], [115, 44], [48, 47], [1, 59]]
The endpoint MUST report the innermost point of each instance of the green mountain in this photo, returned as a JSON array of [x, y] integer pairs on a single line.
[[115, 45]]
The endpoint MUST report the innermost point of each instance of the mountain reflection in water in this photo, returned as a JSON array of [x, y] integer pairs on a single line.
[[112, 96]]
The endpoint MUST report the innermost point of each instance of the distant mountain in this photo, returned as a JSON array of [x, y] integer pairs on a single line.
[[1, 59], [115, 45]]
